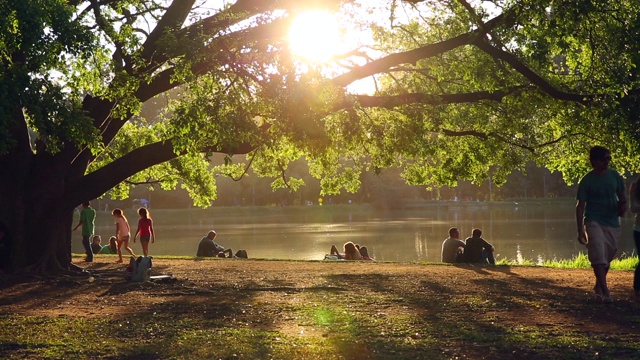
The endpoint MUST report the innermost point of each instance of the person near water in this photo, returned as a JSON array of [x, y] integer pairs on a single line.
[[453, 247], [145, 229], [478, 250], [601, 201], [112, 248], [209, 248]]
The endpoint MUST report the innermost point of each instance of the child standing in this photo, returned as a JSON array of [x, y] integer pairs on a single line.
[[145, 229], [123, 232]]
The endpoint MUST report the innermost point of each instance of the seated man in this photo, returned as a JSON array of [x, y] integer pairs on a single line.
[[478, 250], [208, 248], [453, 247]]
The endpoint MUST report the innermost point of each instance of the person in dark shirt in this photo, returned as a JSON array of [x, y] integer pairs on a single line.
[[95, 244], [478, 250], [208, 248]]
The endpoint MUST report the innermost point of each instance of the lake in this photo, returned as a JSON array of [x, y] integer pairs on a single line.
[[538, 230]]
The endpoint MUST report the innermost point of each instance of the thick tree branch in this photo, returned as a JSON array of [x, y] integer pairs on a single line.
[[163, 80], [485, 136], [100, 181], [393, 101], [172, 20], [208, 28], [535, 79], [412, 56]]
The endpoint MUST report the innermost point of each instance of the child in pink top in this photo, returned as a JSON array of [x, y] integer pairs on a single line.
[[123, 232]]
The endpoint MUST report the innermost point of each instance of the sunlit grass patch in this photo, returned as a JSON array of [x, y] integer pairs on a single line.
[[517, 262], [625, 263], [579, 261], [353, 329], [63, 337], [570, 344]]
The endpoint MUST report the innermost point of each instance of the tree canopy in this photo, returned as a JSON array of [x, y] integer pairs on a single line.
[[463, 90]]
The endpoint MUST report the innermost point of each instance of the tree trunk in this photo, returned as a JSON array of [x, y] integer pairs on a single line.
[[39, 230]]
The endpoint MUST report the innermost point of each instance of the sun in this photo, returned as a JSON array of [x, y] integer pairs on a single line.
[[315, 36]]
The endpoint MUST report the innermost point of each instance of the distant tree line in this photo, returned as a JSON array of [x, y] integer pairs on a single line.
[[386, 190]]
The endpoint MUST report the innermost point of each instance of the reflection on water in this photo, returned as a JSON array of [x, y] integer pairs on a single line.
[[534, 232]]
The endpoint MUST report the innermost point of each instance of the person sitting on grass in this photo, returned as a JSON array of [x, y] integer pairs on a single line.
[[351, 252], [453, 247], [112, 248], [95, 244], [364, 252], [478, 250], [208, 248]]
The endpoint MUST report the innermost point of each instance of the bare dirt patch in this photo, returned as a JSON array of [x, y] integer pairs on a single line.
[[259, 293]]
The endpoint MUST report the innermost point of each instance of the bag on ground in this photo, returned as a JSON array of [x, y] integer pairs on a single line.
[[242, 254], [131, 268], [139, 269]]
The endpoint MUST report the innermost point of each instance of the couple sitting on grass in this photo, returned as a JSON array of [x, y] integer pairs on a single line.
[[474, 249], [351, 252]]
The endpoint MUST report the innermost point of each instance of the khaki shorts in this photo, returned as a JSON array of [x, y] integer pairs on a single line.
[[603, 243]]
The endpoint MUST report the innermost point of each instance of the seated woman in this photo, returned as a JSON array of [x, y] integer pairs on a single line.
[[364, 252], [351, 252], [112, 248]]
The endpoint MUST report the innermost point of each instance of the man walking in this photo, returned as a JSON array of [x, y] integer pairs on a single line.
[[87, 218], [601, 201]]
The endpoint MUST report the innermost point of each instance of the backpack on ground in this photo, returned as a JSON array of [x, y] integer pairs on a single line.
[[139, 269], [131, 268], [242, 254]]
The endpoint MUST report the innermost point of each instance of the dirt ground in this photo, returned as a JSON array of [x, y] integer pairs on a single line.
[[529, 297], [40, 296]]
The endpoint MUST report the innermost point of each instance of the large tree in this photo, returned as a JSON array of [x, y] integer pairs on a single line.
[[464, 90]]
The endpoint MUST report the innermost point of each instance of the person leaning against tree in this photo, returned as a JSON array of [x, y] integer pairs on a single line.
[[601, 201], [87, 218]]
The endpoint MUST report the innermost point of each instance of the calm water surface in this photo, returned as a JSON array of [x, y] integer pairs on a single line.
[[533, 231]]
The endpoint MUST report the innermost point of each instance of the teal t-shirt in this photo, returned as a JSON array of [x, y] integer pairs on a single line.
[[600, 192], [87, 216], [107, 250]]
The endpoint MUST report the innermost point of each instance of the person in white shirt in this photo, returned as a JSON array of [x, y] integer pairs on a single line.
[[453, 247]]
